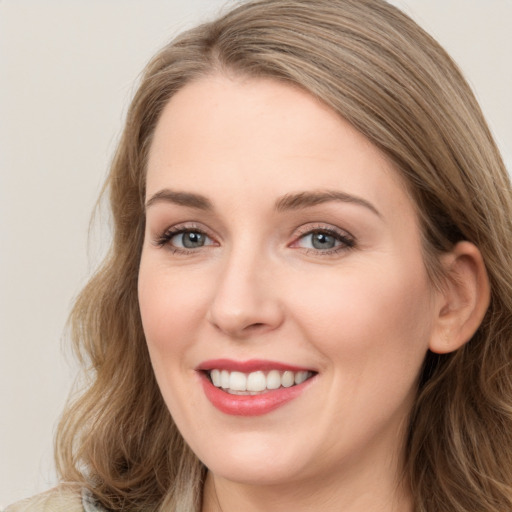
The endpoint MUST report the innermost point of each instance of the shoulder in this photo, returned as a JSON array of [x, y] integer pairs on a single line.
[[60, 499]]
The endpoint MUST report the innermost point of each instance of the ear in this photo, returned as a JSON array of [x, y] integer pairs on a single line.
[[463, 300]]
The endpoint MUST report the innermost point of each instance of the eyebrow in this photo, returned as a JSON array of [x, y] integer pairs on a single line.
[[287, 202], [180, 198], [308, 199]]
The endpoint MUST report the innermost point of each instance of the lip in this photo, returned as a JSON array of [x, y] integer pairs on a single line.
[[252, 365], [249, 405]]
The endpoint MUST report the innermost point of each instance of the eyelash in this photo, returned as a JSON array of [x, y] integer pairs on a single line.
[[346, 240], [164, 240]]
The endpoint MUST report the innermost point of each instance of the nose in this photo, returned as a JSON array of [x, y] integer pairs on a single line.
[[246, 299]]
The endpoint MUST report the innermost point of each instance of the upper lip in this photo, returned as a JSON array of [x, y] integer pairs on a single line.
[[251, 365]]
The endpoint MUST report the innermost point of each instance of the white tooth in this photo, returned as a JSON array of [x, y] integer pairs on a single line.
[[288, 379], [300, 377], [237, 381], [256, 381], [273, 379], [224, 379], [215, 376]]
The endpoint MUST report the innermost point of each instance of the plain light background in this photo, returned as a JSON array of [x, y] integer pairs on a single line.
[[67, 73]]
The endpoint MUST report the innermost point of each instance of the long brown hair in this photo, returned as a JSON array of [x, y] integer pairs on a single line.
[[387, 77]]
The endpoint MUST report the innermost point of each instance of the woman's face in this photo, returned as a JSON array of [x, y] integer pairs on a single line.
[[283, 253]]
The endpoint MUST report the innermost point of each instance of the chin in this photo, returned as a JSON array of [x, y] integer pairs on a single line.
[[260, 473], [257, 461]]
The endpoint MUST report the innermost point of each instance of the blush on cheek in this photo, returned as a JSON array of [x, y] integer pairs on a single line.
[[356, 314]]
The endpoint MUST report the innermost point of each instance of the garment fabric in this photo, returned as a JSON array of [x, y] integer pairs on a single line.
[[60, 499]]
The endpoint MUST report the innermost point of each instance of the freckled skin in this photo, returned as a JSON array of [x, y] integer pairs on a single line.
[[360, 316]]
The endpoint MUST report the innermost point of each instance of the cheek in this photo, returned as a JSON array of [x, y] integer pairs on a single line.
[[371, 317], [372, 329], [169, 306], [170, 309]]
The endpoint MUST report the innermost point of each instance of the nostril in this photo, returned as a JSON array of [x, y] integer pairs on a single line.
[[255, 326]]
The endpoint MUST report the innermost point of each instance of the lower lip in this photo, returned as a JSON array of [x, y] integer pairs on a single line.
[[250, 405]]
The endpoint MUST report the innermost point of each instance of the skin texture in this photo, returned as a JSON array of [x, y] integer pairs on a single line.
[[361, 314]]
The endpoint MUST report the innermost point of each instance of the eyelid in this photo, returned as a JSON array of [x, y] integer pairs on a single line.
[[163, 238], [346, 239], [321, 226]]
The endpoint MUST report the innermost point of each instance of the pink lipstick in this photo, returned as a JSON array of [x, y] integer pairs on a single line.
[[254, 387]]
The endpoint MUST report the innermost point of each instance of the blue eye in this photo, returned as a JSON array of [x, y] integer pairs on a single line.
[[184, 239], [189, 239], [323, 240], [320, 241]]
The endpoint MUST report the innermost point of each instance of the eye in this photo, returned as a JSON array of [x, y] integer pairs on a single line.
[[189, 239], [318, 240], [324, 240], [184, 239]]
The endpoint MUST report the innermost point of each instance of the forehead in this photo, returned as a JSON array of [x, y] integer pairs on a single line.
[[243, 135]]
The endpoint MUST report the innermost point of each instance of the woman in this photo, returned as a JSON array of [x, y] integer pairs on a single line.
[[307, 304]]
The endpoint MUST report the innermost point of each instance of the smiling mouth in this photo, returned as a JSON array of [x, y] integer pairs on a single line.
[[258, 382]]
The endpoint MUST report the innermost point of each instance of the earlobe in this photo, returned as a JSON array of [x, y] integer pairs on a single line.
[[463, 299]]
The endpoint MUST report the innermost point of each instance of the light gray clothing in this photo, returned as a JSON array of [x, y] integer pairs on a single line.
[[60, 499]]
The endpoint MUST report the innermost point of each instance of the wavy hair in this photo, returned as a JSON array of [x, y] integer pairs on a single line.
[[374, 66]]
